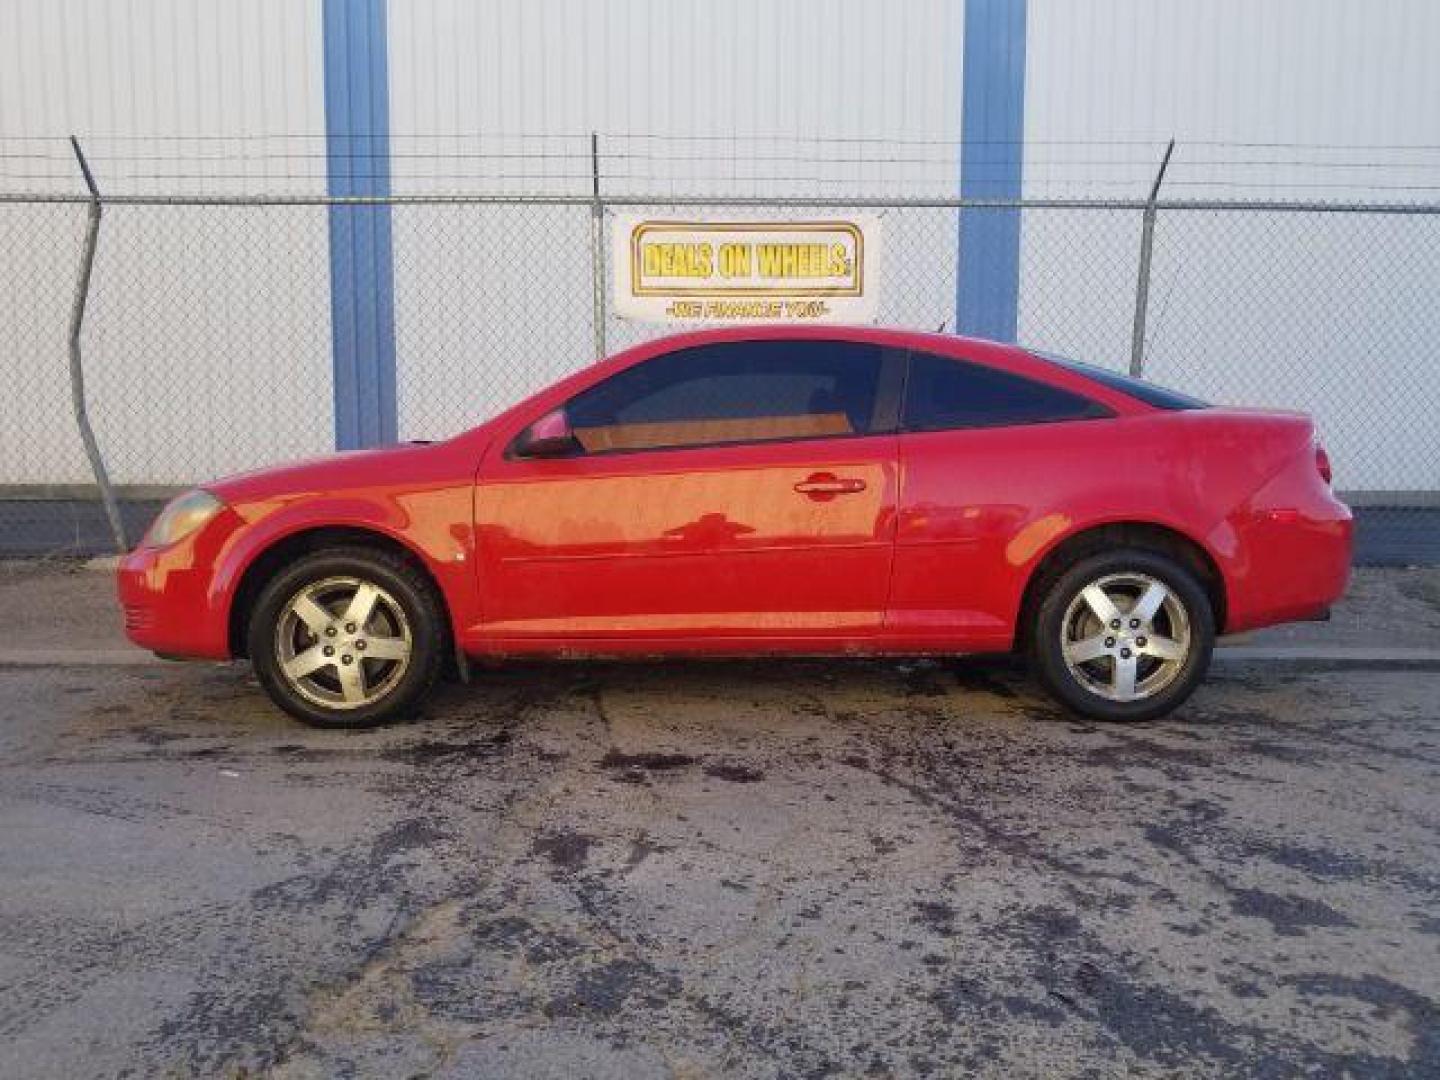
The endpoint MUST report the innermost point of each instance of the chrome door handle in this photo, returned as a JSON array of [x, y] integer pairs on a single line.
[[824, 486]]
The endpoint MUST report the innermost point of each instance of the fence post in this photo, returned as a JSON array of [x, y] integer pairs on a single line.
[[1142, 284], [597, 246], [77, 368]]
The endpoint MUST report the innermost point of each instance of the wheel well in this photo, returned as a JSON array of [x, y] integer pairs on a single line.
[[292, 547], [1150, 537]]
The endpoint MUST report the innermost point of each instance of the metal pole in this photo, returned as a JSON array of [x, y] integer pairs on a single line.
[[597, 246], [77, 369], [1142, 284]]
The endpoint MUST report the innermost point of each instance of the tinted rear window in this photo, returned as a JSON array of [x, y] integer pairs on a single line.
[[1149, 393], [943, 393]]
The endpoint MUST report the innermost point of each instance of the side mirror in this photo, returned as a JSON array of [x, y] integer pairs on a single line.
[[548, 437]]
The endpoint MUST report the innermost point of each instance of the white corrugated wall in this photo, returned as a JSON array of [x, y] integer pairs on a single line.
[[217, 333], [207, 341], [688, 96], [1333, 100]]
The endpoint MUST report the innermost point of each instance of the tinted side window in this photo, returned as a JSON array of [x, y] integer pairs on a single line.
[[745, 391], [943, 393]]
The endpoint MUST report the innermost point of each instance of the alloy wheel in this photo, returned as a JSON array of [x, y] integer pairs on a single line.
[[343, 643], [1125, 636]]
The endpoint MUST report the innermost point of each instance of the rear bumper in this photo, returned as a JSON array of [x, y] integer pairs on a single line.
[[1290, 564]]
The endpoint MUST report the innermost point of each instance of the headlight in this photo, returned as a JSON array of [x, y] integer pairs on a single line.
[[182, 517]]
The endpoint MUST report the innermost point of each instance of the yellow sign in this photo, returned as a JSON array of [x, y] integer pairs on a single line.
[[741, 271]]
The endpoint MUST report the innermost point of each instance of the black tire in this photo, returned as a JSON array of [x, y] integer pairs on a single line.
[[1171, 687], [405, 585]]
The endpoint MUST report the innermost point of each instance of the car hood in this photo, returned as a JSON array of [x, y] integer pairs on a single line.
[[383, 465]]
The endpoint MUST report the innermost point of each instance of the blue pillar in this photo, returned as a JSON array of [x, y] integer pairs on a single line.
[[992, 132], [362, 285]]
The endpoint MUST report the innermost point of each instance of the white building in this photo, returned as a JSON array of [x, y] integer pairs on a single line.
[[222, 337]]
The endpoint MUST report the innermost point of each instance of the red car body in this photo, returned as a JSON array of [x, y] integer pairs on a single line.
[[889, 543]]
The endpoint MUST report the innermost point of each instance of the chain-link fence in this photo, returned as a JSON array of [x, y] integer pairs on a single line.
[[207, 336]]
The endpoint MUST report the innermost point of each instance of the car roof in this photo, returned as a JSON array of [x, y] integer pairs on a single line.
[[1012, 358], [822, 331], [1015, 359]]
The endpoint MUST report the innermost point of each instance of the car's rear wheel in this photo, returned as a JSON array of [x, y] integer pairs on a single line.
[[348, 637], [1123, 635]]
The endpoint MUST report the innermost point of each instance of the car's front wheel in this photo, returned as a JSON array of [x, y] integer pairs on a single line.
[[1123, 635], [348, 637]]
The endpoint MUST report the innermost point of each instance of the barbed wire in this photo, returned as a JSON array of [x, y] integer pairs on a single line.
[[888, 140], [698, 163]]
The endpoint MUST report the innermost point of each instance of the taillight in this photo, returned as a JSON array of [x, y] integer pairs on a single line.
[[1322, 463]]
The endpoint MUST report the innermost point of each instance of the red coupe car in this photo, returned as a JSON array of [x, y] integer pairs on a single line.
[[757, 491]]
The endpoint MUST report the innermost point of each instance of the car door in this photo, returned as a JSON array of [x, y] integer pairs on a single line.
[[718, 494], [989, 459]]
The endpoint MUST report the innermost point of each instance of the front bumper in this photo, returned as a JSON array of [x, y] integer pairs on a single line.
[[168, 596]]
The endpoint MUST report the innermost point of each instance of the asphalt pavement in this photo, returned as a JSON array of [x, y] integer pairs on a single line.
[[775, 869]]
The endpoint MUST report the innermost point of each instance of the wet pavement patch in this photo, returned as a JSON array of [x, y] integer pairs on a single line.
[[986, 676], [1290, 915], [445, 751], [936, 916], [605, 990], [651, 761], [567, 850], [735, 774], [640, 767]]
